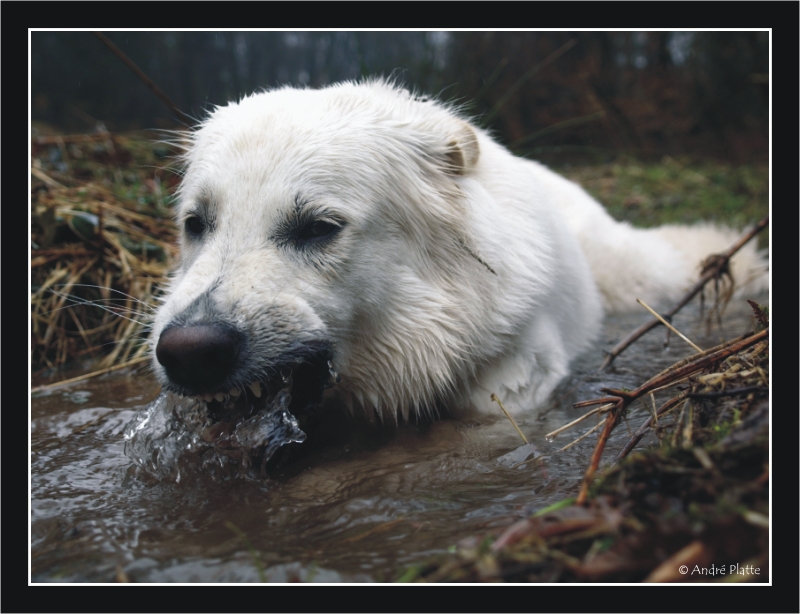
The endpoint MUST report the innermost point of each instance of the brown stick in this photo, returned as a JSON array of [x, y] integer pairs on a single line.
[[637, 436], [707, 352], [600, 401], [683, 369], [732, 392], [180, 115], [694, 365], [611, 422], [134, 361], [663, 379], [69, 138], [625, 398], [512, 90], [712, 273]]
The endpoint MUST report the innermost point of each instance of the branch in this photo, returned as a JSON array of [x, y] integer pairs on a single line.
[[180, 115], [621, 399], [694, 364], [611, 422], [711, 272]]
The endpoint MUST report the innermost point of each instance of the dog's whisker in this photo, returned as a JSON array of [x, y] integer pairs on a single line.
[[125, 295]]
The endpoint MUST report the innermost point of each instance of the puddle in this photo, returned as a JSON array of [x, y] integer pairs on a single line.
[[356, 508]]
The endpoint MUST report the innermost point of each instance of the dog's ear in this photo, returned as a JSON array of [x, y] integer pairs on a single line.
[[462, 150]]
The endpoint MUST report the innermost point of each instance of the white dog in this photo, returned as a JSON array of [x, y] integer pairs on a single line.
[[383, 232]]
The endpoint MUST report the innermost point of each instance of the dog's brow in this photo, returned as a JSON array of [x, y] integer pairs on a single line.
[[204, 205], [304, 210], [299, 204]]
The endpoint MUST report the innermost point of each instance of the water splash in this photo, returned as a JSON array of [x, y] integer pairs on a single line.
[[176, 435]]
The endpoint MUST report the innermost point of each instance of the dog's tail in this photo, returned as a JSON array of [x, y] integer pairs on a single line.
[[658, 265]]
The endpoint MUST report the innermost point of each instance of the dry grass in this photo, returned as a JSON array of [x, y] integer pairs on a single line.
[[102, 242]]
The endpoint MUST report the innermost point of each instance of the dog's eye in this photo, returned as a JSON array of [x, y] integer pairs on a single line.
[[194, 226], [317, 230]]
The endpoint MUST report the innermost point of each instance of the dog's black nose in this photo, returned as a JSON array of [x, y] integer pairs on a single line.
[[198, 357]]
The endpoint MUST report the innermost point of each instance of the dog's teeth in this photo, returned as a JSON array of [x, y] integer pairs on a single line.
[[235, 392], [256, 388], [219, 397]]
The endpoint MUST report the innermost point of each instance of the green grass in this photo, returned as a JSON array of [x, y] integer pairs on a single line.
[[677, 191]]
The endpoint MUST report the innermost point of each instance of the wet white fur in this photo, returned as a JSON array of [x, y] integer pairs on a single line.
[[462, 270]]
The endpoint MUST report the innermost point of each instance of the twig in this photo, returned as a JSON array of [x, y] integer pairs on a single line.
[[611, 422], [377, 529], [695, 365], [711, 273], [689, 359], [584, 436], [637, 436], [513, 89], [69, 138], [717, 354], [521, 434], [668, 325], [761, 317], [671, 376], [575, 121], [625, 398], [180, 115], [552, 434], [40, 174], [135, 361], [732, 392]]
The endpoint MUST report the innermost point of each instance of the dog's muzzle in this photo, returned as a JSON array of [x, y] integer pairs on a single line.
[[212, 360]]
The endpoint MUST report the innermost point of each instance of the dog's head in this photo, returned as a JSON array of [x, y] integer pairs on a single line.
[[325, 227]]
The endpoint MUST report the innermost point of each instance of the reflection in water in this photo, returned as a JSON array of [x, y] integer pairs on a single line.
[[356, 507]]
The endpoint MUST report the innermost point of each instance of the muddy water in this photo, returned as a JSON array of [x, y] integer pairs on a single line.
[[357, 509]]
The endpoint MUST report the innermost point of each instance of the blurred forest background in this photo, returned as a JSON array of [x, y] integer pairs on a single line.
[[544, 94]]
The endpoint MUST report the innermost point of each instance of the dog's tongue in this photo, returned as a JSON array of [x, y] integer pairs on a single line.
[[175, 435]]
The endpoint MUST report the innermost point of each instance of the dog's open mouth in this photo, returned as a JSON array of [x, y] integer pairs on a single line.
[[297, 389], [234, 433], [303, 377]]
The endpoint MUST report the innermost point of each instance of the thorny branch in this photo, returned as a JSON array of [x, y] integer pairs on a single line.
[[621, 399]]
